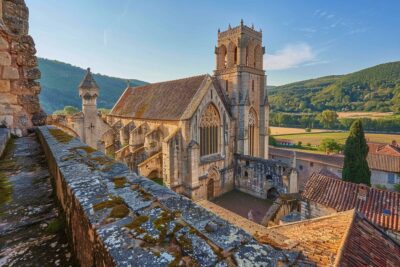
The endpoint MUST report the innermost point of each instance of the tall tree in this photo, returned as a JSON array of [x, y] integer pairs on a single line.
[[328, 118], [355, 167]]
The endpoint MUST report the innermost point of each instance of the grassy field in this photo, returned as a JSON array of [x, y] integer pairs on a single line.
[[340, 137], [286, 130], [371, 115]]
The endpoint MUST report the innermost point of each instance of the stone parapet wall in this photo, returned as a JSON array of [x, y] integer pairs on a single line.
[[19, 91], [116, 218]]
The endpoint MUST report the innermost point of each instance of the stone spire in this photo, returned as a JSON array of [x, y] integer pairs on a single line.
[[88, 81]]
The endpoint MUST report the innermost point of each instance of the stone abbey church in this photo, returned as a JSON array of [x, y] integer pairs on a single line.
[[202, 135]]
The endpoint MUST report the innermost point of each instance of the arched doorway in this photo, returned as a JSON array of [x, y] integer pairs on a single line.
[[210, 189]]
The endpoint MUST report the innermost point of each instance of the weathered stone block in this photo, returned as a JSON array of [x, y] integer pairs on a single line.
[[8, 98], [10, 73], [39, 118], [3, 43], [32, 74], [27, 60], [4, 86], [30, 103], [5, 59], [15, 17]]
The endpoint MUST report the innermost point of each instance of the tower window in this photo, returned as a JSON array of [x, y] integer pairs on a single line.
[[227, 86], [247, 55], [252, 85], [235, 56]]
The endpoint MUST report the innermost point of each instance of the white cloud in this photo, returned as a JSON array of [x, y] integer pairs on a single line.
[[291, 56]]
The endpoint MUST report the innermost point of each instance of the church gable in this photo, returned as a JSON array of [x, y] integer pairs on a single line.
[[159, 101]]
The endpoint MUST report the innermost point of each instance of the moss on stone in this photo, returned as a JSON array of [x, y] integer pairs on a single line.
[[60, 135], [114, 201], [8, 165], [146, 195], [102, 160], [137, 222], [119, 182], [57, 225], [87, 149], [5, 189], [119, 211], [149, 240]]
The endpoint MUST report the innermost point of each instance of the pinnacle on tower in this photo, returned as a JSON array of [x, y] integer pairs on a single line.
[[88, 81], [241, 22]]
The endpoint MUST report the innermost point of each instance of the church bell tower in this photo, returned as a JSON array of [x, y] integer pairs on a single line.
[[239, 70], [89, 91]]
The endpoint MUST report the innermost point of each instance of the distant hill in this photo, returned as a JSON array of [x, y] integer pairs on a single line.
[[60, 86], [372, 89]]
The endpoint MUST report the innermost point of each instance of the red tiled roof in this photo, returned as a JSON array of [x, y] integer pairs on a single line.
[[383, 162], [379, 206], [392, 149], [162, 101], [367, 245]]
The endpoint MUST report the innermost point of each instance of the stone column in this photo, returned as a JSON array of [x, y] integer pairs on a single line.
[[194, 157]]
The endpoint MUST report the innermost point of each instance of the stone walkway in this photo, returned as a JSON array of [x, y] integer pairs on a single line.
[[31, 231]]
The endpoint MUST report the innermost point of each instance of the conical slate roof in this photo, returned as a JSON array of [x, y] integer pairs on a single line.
[[88, 81]]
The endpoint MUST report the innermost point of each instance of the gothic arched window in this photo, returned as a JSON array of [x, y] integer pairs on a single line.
[[209, 131], [251, 131]]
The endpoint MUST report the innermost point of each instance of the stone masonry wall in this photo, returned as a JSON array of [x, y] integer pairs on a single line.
[[19, 92], [116, 218], [255, 176]]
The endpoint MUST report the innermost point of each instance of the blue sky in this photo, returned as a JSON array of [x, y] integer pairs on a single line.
[[164, 40]]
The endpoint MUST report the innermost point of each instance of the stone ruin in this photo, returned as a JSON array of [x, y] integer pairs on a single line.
[[19, 90]]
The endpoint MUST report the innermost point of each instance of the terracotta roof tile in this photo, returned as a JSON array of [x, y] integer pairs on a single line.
[[367, 245], [335, 240], [319, 239], [392, 149], [162, 101], [383, 162], [381, 207]]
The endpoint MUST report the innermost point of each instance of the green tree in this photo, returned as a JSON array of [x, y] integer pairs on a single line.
[[330, 145], [355, 167], [68, 110], [328, 118]]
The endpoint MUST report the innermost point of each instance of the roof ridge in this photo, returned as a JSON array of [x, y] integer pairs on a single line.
[[180, 79]]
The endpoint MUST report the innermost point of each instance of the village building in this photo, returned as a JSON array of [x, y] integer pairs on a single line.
[[383, 161], [325, 195]]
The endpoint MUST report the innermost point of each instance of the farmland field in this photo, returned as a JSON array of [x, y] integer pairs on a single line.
[[340, 137], [287, 130], [371, 115]]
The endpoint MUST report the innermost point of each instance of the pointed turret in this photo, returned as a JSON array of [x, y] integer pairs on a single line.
[[88, 82], [88, 91]]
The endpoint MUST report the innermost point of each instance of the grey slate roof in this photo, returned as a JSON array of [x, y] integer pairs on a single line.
[[164, 100], [88, 81]]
